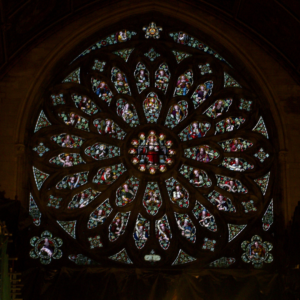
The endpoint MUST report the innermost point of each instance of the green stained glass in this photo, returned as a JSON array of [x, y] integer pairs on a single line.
[[118, 226], [73, 77], [57, 99], [229, 124], [209, 244], [222, 263], [109, 174], [223, 203], [177, 193], [100, 151], [67, 160], [229, 81], [249, 206], [185, 39], [245, 104], [110, 128], [203, 153], [268, 217], [163, 232], [152, 199], [39, 177], [235, 145], [99, 65], [263, 182], [184, 83], [125, 53], [141, 231], [85, 104], [177, 113], [261, 128], [82, 260], [152, 54], [202, 92], [99, 215], [194, 131], [95, 242], [34, 212], [234, 231], [121, 257], [42, 122], [68, 141], [183, 258], [230, 184], [205, 69], [41, 149], [73, 120], [127, 112], [206, 219], [73, 181], [236, 164], [54, 202], [196, 177], [69, 227], [218, 108], [180, 56]]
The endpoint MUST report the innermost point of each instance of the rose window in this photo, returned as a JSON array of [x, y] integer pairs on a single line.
[[151, 150]]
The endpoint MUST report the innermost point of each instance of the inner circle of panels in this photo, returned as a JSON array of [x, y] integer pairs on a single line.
[[150, 154]]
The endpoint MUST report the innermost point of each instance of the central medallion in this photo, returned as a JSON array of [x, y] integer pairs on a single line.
[[152, 152]]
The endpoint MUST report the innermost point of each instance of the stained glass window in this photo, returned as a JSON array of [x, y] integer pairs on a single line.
[[152, 150]]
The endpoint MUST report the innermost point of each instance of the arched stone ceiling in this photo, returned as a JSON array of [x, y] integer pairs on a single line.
[[275, 24]]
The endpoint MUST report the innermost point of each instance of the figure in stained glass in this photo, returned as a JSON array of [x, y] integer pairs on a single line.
[[236, 164], [162, 77], [120, 81], [121, 36], [110, 128], [127, 112], [229, 124], [118, 226], [202, 92], [74, 120], [85, 104], [101, 89], [177, 113], [141, 231], [163, 232], [196, 178], [141, 75], [202, 154], [67, 160], [184, 83], [186, 226], [194, 131], [231, 185], [223, 203], [177, 193], [218, 108], [152, 107], [84, 198], [68, 141], [235, 145], [152, 201], [207, 220], [99, 215]]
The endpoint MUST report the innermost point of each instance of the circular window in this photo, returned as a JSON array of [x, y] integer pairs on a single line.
[[150, 150]]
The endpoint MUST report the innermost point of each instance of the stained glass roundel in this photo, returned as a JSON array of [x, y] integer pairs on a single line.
[[152, 151]]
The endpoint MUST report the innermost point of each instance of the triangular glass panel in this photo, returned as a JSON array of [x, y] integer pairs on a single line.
[[69, 227], [263, 182], [229, 81], [39, 177], [73, 77], [125, 53], [268, 217], [42, 122], [222, 263], [121, 257], [82, 260], [34, 211], [261, 128], [180, 56], [234, 231], [182, 258]]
